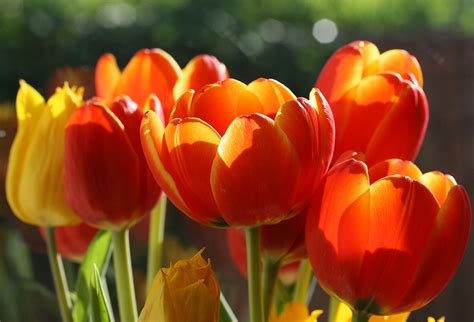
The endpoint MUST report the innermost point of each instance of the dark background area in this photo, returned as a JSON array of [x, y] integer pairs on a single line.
[[274, 39]]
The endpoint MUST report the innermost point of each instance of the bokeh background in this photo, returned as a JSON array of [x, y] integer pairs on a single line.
[[285, 40]]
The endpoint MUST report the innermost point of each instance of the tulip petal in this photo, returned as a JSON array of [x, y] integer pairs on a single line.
[[271, 94], [394, 166], [107, 75], [392, 255], [182, 107], [192, 147], [401, 62], [404, 127], [254, 172], [439, 184], [200, 71], [150, 71], [445, 249], [152, 138], [107, 169], [28, 103]]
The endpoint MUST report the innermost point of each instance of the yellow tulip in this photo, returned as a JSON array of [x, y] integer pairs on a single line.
[[34, 182], [430, 319], [186, 291], [344, 314], [295, 312]]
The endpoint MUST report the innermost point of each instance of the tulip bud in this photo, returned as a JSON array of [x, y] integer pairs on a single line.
[[34, 183], [186, 291], [107, 181], [376, 98], [378, 270]]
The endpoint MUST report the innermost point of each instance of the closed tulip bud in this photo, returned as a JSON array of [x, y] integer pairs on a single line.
[[107, 181], [376, 98], [376, 237], [34, 183], [241, 155], [186, 291], [73, 241]]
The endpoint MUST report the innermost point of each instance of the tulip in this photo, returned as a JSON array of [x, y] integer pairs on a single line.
[[186, 291], [73, 241], [107, 181], [376, 98], [34, 182], [295, 312], [240, 155], [153, 71], [376, 236]]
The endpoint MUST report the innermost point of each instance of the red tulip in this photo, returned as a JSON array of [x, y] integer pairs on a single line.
[[376, 98], [107, 181], [388, 239], [153, 71], [72, 241], [240, 155]]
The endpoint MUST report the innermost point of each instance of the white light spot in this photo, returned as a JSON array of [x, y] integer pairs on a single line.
[[325, 31], [272, 31], [41, 24], [116, 15], [251, 44], [2, 134]]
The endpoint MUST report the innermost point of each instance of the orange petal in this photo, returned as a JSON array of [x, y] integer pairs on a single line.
[[182, 107], [444, 250], [323, 229], [401, 62], [150, 71], [342, 72], [152, 132], [107, 75], [192, 146], [200, 71], [392, 255], [255, 172], [404, 127], [394, 166], [217, 104], [439, 184], [271, 94]]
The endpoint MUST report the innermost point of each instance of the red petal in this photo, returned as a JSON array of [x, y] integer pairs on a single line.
[[394, 166], [401, 62], [107, 75], [439, 184]]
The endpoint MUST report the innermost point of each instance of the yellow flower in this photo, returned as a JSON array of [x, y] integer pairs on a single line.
[[430, 319], [187, 291], [295, 312], [34, 182], [344, 314]]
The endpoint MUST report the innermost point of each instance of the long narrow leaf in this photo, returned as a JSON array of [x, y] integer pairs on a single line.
[[226, 314], [100, 310], [99, 254]]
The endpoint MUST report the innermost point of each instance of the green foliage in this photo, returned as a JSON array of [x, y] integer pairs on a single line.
[[226, 314], [100, 310]]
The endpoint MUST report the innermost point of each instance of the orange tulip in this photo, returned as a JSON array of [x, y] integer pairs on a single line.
[[376, 98], [153, 71], [107, 181], [239, 154], [388, 239], [72, 241]]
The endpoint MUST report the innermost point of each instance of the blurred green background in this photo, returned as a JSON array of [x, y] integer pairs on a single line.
[[285, 40]]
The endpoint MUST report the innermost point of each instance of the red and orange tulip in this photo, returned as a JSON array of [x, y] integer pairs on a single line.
[[107, 181], [376, 237], [376, 98], [240, 155], [154, 71]]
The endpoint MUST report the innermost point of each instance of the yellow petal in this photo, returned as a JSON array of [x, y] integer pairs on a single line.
[[344, 314], [295, 312]]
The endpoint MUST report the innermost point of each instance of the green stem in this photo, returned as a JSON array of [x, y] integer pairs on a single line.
[[270, 275], [253, 269], [359, 316], [59, 277], [226, 314], [302, 282], [155, 240], [333, 308], [123, 276]]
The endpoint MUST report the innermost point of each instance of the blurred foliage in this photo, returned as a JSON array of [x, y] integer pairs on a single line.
[[254, 38]]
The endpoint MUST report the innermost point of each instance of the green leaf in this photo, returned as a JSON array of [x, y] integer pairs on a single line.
[[226, 314], [99, 253], [99, 304]]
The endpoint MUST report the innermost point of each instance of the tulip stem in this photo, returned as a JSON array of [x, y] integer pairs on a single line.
[[270, 275], [155, 240], [253, 268], [334, 305], [303, 280], [123, 276], [59, 277], [358, 316]]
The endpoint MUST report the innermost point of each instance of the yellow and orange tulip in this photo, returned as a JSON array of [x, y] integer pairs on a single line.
[[379, 106], [186, 291], [240, 155], [35, 183], [378, 270]]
